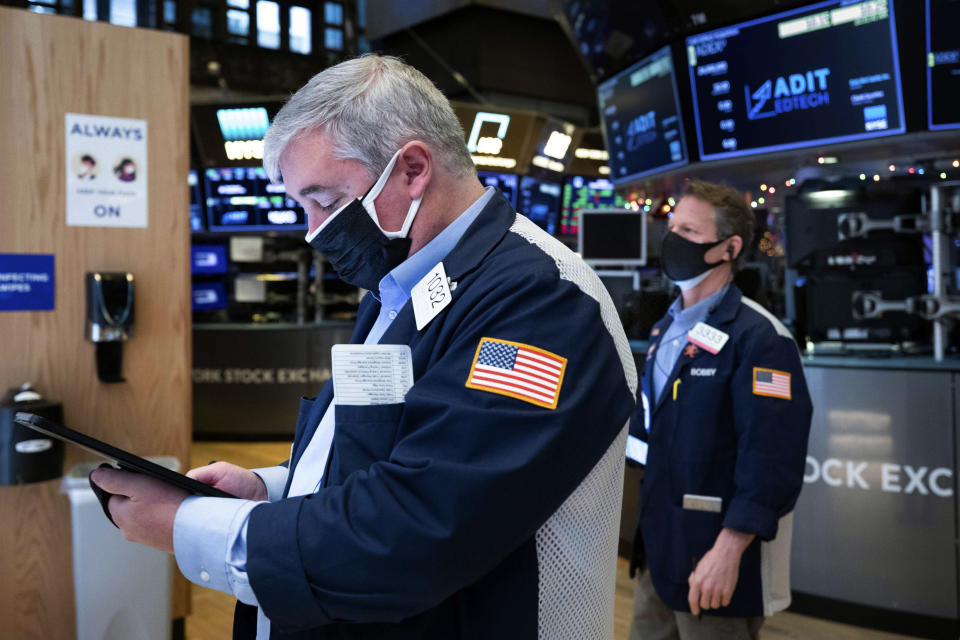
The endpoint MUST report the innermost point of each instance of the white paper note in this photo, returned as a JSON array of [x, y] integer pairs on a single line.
[[367, 374], [430, 296]]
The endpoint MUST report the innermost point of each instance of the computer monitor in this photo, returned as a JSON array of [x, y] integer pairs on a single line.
[[540, 201], [613, 237], [819, 74], [580, 192], [208, 259], [641, 119], [196, 202], [505, 182], [943, 64], [620, 285], [209, 296], [244, 199]]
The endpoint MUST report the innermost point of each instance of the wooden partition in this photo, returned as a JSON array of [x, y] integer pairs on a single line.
[[52, 66]]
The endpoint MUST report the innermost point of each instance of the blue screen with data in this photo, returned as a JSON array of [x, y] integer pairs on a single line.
[[641, 118], [824, 73]]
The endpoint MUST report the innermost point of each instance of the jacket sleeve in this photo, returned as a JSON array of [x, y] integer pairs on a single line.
[[772, 435], [471, 475]]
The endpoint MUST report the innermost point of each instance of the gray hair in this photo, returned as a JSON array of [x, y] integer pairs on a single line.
[[371, 106]]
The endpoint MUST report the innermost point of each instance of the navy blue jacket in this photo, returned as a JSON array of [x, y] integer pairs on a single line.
[[719, 430], [439, 516]]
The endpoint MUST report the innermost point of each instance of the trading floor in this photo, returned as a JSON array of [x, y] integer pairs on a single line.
[[212, 612]]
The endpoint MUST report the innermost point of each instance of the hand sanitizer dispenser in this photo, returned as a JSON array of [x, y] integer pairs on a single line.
[[110, 314]]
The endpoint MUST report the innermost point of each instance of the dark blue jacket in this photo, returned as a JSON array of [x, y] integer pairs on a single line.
[[719, 430], [454, 514]]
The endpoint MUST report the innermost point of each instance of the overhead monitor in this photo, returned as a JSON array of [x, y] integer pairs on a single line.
[[244, 199], [540, 201], [580, 192], [505, 182], [196, 202], [820, 74], [231, 135], [613, 237], [554, 150], [499, 139], [641, 118], [943, 64]]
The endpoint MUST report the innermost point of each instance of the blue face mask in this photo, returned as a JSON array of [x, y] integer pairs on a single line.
[[358, 248]]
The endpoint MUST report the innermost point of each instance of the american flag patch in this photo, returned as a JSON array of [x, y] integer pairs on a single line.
[[772, 383], [517, 370]]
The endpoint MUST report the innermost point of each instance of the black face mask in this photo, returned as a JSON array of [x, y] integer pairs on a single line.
[[358, 250], [683, 259]]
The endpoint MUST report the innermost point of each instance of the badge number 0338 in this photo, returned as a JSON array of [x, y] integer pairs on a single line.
[[430, 296]]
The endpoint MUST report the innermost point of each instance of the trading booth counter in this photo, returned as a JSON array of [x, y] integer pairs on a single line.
[[248, 379], [876, 523]]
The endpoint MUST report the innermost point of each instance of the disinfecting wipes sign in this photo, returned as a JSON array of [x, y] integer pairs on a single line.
[[27, 282], [106, 166]]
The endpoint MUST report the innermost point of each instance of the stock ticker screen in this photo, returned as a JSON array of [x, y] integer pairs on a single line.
[[243, 199], [580, 192], [506, 182], [943, 63], [820, 74], [540, 201], [641, 118]]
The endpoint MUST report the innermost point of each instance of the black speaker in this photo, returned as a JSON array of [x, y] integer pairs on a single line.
[[26, 455]]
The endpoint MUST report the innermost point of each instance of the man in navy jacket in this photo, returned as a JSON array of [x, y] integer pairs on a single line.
[[723, 432], [485, 503]]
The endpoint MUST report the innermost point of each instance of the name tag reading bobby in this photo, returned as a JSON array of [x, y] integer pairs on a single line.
[[368, 374], [707, 338], [430, 296]]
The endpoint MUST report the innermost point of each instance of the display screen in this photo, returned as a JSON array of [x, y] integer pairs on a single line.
[[585, 193], [554, 151], [615, 237], [196, 202], [499, 140], [209, 296], [824, 73], [243, 199], [943, 64], [540, 201], [506, 182], [208, 258], [610, 34], [641, 118]]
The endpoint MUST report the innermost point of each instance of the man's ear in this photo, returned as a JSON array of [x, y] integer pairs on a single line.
[[734, 247], [416, 162]]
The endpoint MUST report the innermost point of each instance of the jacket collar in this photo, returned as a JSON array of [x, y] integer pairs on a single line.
[[726, 310], [481, 237], [477, 242], [724, 313]]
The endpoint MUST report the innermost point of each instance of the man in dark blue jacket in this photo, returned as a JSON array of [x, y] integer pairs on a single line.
[[723, 432], [477, 493]]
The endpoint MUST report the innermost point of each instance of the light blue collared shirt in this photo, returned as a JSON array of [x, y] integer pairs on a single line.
[[675, 337], [210, 534]]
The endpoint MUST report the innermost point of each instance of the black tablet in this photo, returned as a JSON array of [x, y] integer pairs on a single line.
[[125, 460]]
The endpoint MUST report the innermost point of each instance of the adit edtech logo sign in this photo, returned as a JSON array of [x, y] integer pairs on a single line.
[[784, 94]]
